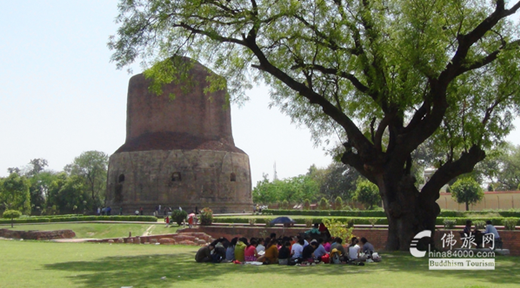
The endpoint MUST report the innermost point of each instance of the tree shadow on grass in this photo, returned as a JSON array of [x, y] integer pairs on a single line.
[[506, 269], [147, 270]]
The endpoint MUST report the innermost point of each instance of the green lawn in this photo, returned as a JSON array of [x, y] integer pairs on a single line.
[[48, 264], [99, 230]]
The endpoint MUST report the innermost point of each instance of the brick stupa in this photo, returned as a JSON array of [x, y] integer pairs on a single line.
[[180, 151]]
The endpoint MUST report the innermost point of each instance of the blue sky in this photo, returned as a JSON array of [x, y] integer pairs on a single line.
[[60, 95]]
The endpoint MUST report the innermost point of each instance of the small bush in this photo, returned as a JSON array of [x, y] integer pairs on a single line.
[[510, 223], [308, 223], [11, 214], [267, 221], [372, 221], [206, 216], [479, 224], [338, 203], [178, 216], [252, 221], [285, 204], [449, 224], [336, 229], [324, 204]]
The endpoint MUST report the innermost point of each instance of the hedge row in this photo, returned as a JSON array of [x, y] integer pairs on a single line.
[[69, 218], [371, 213], [356, 220], [326, 213]]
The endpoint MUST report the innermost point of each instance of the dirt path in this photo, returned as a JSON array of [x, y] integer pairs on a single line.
[[148, 231]]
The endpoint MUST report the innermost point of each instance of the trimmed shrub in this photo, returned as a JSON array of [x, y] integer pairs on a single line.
[[479, 224], [178, 216], [449, 224], [252, 221], [364, 213], [338, 203], [267, 221], [308, 223], [510, 223], [324, 204], [11, 214], [206, 216]]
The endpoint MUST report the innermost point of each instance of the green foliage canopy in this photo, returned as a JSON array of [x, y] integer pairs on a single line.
[[14, 193], [466, 190], [367, 193], [382, 76], [91, 167]]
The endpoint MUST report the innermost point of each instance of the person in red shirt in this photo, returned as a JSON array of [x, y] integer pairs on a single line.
[[250, 252]]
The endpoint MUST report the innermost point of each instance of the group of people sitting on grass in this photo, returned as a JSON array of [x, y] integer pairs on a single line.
[[299, 250]]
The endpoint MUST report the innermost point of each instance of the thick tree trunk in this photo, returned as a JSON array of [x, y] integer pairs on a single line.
[[408, 211]]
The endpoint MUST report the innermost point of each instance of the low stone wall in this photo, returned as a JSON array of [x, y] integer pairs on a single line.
[[377, 237], [184, 238], [37, 235]]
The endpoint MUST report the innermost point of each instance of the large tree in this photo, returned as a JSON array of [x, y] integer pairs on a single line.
[[91, 166], [385, 76], [14, 193]]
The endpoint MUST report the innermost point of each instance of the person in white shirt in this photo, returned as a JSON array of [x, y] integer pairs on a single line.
[[261, 246], [353, 249], [297, 249]]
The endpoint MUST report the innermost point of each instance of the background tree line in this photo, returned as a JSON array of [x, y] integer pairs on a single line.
[[500, 171], [79, 188]]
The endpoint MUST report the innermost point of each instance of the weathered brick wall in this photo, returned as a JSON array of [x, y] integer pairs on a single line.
[[37, 235], [205, 180], [192, 111]]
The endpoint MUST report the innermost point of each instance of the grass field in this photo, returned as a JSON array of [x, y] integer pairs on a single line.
[[99, 230], [48, 264]]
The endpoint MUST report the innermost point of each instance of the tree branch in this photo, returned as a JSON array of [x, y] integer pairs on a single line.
[[450, 170]]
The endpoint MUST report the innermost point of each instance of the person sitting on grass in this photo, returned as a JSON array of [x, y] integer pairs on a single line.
[[320, 250], [204, 254], [467, 228], [338, 245], [284, 253], [262, 245], [326, 244], [230, 251], [368, 248], [308, 251], [250, 254], [353, 249], [271, 253], [240, 249], [219, 253], [297, 249]]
